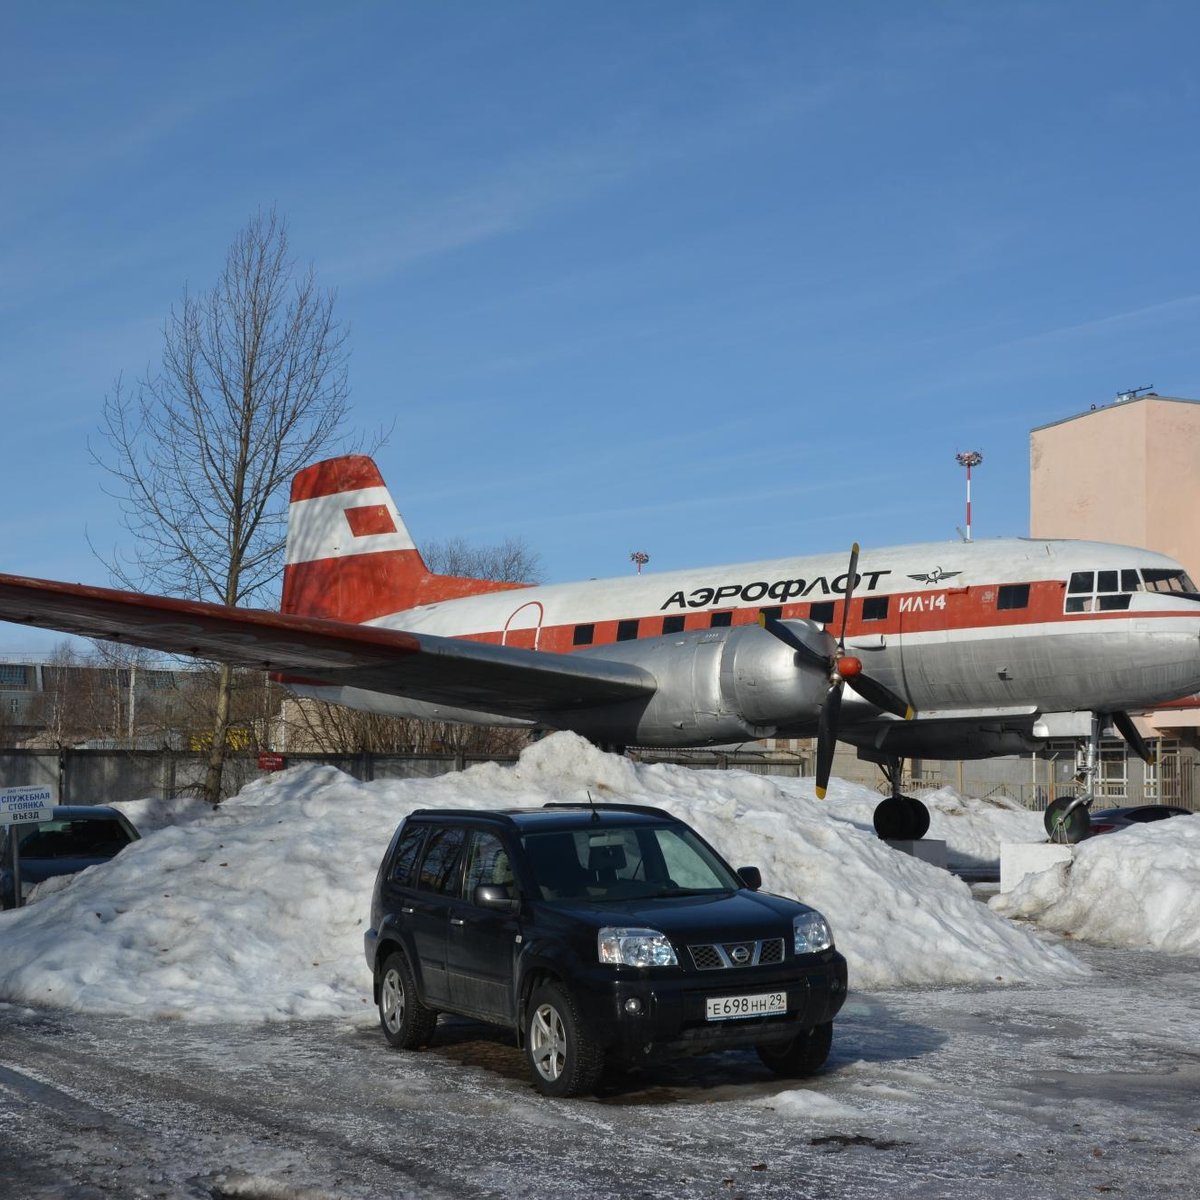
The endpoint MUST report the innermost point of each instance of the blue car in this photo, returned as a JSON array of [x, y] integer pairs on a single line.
[[75, 837]]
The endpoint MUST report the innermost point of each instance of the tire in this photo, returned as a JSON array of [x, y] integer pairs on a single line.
[[901, 819], [1067, 827], [564, 1059], [803, 1055], [406, 1022], [920, 818]]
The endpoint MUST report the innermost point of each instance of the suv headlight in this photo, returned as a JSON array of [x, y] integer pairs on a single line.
[[635, 947], [810, 933]]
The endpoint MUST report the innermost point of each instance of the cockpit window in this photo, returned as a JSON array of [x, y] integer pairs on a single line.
[[1110, 591], [1166, 579]]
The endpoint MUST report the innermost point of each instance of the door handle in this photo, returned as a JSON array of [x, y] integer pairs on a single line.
[[406, 910], [457, 921]]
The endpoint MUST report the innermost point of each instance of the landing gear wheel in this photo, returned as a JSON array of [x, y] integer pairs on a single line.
[[1067, 827], [803, 1055], [563, 1058], [407, 1023], [901, 819]]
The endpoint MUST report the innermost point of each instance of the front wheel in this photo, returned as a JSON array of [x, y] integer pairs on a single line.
[[564, 1059], [1066, 821], [407, 1023], [803, 1055]]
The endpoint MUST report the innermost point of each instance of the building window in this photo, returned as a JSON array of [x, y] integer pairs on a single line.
[[1013, 595], [719, 619], [875, 608], [627, 631], [14, 675], [673, 624], [584, 634], [821, 612]]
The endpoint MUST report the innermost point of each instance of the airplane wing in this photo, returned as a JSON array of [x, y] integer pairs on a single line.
[[449, 671]]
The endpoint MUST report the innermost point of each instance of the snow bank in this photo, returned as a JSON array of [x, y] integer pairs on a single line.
[[1137, 887], [256, 910]]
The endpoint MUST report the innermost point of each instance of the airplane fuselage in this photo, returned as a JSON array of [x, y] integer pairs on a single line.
[[1003, 628]]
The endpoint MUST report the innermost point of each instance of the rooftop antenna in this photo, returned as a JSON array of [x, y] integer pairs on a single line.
[[641, 558], [595, 812], [1134, 393], [968, 459]]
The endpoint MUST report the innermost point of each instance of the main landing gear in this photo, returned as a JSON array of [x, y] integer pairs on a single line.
[[1067, 819], [899, 818]]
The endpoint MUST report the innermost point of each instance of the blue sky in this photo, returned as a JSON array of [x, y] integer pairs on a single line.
[[715, 281]]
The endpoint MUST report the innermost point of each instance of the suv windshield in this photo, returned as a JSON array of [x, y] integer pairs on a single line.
[[625, 862]]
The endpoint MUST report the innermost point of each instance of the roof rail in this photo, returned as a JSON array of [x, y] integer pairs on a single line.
[[612, 807]]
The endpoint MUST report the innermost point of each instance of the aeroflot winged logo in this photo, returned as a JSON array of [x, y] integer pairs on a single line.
[[935, 576], [779, 591]]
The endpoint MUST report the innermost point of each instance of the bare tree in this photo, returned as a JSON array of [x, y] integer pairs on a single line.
[[509, 561], [252, 386]]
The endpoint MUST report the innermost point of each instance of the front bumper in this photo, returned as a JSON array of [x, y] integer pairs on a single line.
[[670, 1006]]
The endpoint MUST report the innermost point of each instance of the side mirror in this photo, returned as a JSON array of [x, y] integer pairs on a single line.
[[751, 877], [494, 895]]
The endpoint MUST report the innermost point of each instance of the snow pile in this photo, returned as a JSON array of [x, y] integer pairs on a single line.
[[1137, 887], [257, 910]]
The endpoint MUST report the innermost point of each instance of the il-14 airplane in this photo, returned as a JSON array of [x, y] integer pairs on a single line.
[[942, 650]]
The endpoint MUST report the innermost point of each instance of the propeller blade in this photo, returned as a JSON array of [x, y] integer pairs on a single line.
[[851, 576], [883, 697], [778, 629], [827, 727], [1124, 723]]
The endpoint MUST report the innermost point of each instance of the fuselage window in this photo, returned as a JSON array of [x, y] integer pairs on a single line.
[[875, 608], [822, 612], [1130, 581], [720, 619], [774, 613], [1013, 595], [1106, 581], [1114, 603], [1081, 581], [673, 624], [583, 635], [627, 631]]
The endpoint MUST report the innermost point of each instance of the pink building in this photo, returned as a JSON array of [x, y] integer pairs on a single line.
[[1129, 472], [1125, 472]]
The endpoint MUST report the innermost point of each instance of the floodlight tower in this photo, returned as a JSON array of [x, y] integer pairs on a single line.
[[641, 558], [968, 459]]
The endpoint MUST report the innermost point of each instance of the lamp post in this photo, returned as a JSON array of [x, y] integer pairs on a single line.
[[641, 558], [968, 459]]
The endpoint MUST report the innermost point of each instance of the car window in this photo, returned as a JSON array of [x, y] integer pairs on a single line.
[[487, 863], [614, 862], [442, 852], [406, 854], [88, 837]]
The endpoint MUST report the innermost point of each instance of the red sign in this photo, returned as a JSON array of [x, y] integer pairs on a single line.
[[268, 760]]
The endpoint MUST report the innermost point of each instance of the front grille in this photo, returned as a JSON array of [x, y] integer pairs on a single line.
[[719, 955]]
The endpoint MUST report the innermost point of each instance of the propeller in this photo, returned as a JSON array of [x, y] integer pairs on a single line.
[[1128, 730], [842, 668]]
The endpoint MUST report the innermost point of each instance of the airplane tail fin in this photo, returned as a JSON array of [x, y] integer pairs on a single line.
[[350, 556]]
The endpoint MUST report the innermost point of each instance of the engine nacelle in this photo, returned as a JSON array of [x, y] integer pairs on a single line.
[[716, 685]]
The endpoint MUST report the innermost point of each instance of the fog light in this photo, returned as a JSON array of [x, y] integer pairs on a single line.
[[633, 1006]]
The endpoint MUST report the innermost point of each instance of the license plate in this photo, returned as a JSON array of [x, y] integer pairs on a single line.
[[729, 1008]]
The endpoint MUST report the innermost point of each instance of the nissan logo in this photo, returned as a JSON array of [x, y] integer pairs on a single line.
[[740, 955]]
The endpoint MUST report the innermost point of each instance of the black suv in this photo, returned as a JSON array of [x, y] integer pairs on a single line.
[[595, 931]]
